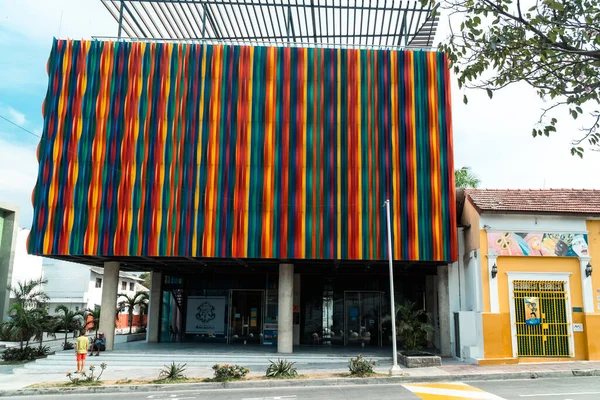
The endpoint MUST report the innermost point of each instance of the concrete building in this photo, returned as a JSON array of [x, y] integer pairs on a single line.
[[79, 287], [524, 287], [8, 238], [26, 267], [250, 179]]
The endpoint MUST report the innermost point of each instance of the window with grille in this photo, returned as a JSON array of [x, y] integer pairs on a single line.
[[549, 337]]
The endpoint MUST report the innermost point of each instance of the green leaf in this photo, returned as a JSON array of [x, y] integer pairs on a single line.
[[465, 100], [555, 5], [489, 93]]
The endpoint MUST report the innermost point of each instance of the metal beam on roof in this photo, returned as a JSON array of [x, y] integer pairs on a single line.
[[297, 23]]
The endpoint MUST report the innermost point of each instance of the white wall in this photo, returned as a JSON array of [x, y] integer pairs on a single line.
[[532, 223], [25, 267], [68, 283]]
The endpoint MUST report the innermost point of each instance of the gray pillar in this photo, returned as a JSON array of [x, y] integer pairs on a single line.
[[110, 285], [154, 308], [8, 243], [444, 310], [285, 334]]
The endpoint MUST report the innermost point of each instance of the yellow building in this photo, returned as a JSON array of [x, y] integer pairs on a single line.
[[525, 289]]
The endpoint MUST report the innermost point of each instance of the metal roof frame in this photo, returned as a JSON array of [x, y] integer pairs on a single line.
[[289, 23]]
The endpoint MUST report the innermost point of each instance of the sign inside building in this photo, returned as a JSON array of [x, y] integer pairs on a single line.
[[206, 314], [532, 311], [538, 244]]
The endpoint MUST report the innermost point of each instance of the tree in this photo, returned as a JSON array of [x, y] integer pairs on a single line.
[[25, 323], [551, 45], [147, 277], [130, 302], [67, 320], [93, 323], [464, 178], [30, 294]]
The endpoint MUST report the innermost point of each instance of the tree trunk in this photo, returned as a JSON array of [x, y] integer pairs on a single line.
[[66, 336], [130, 322]]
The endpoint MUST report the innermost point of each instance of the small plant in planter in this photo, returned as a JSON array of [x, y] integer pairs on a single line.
[[413, 326], [281, 369], [227, 372], [361, 366], [172, 373], [87, 379]]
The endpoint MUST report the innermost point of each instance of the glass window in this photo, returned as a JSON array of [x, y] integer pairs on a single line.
[[123, 285], [98, 282], [131, 284]]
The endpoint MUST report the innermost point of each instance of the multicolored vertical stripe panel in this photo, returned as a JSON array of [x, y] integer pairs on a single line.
[[154, 149]]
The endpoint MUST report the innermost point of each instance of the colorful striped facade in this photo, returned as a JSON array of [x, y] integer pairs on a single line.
[[154, 149]]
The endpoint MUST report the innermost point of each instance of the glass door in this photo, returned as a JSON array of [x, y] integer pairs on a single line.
[[246, 316], [362, 312]]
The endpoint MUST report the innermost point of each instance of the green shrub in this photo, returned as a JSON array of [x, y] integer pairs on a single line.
[[6, 332], [228, 372], [42, 351], [361, 366], [87, 379], [281, 369], [173, 372], [18, 354], [68, 346]]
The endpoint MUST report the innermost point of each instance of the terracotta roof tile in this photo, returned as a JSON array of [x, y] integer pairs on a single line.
[[553, 201]]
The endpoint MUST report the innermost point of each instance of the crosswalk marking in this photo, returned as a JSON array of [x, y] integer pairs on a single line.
[[449, 390]]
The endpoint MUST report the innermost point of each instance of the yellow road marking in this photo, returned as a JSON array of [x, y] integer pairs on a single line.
[[446, 390]]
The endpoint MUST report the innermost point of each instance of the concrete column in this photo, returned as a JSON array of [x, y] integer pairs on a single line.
[[154, 304], [587, 290], [494, 301], [110, 285], [443, 296], [285, 335]]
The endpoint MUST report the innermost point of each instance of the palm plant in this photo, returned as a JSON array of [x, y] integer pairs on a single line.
[[413, 326], [465, 178], [30, 294], [130, 302], [92, 324], [25, 323], [67, 319]]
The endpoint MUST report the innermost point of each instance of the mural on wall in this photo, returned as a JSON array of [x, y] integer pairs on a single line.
[[538, 244]]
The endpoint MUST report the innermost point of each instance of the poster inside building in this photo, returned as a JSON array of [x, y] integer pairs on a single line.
[[206, 314], [532, 311]]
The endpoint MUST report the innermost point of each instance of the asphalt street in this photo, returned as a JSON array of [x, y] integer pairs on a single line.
[[580, 388]]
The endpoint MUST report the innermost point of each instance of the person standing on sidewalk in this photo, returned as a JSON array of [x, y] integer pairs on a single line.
[[81, 347]]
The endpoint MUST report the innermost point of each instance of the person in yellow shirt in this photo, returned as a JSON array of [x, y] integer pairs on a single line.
[[81, 347]]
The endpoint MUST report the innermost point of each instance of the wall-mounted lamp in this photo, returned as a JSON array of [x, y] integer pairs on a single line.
[[494, 271], [588, 269]]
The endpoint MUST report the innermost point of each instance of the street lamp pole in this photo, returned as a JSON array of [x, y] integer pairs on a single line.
[[395, 370]]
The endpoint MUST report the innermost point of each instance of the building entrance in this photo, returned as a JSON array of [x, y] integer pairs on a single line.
[[246, 310], [362, 312]]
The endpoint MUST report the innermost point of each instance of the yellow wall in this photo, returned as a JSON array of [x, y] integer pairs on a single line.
[[498, 342], [470, 216], [592, 320]]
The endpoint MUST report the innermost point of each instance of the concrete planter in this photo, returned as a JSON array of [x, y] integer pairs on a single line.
[[420, 360]]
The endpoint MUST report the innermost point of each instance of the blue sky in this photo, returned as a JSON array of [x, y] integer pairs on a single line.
[[491, 136]]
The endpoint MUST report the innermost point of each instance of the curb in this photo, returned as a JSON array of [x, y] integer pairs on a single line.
[[300, 383]]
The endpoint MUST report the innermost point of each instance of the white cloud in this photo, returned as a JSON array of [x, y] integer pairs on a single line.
[[44, 19], [16, 116], [18, 174]]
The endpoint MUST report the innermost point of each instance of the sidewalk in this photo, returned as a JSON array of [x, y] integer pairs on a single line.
[[452, 371]]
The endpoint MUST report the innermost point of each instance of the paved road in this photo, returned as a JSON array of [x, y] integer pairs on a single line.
[[582, 388]]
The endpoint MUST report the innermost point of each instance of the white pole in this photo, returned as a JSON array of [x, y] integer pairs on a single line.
[[395, 370]]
